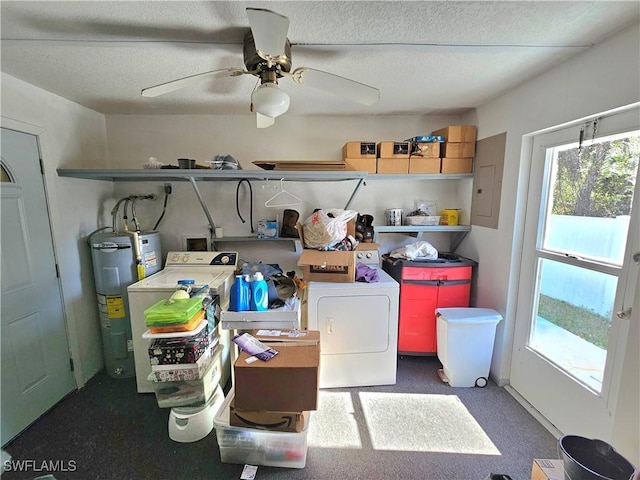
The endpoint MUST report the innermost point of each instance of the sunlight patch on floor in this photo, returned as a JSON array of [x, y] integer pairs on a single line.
[[423, 423], [333, 425]]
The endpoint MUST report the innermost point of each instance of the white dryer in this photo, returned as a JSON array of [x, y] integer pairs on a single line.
[[215, 269], [358, 324]]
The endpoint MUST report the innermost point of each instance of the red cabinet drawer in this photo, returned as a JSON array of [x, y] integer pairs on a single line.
[[436, 273]]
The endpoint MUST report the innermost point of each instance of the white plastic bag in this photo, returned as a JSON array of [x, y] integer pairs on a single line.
[[325, 228], [416, 250]]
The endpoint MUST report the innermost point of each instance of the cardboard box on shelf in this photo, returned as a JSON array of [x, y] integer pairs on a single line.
[[457, 165], [327, 266], [331, 265], [359, 150], [288, 382], [459, 149], [393, 165], [426, 149], [394, 149], [302, 165], [547, 469], [424, 165], [368, 165], [458, 133]]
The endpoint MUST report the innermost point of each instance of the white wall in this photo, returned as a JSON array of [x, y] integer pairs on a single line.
[[68, 134], [605, 77], [133, 139]]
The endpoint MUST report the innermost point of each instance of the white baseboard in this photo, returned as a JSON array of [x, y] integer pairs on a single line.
[[535, 413]]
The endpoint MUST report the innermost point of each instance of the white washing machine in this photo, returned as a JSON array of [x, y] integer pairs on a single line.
[[215, 269], [358, 324]]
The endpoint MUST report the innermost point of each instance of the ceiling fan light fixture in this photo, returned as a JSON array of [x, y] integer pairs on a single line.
[[269, 100]]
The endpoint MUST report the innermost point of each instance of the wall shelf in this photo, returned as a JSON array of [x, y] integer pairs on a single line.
[[195, 176], [203, 174], [459, 231], [297, 244]]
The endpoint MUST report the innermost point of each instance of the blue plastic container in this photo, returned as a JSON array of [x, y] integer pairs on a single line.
[[240, 294], [259, 293]]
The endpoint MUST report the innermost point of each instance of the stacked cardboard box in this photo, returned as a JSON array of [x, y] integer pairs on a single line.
[[425, 157], [360, 156], [393, 157], [265, 417], [458, 149], [286, 383]]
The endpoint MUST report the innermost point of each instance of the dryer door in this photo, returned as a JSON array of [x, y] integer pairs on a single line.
[[353, 324]]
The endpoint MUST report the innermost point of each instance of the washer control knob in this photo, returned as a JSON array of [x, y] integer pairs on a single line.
[[225, 259], [185, 258]]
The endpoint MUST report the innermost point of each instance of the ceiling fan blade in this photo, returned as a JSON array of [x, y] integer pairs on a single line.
[[269, 31], [167, 87], [329, 82], [263, 121]]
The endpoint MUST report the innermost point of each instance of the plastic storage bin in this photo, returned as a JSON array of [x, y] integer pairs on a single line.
[[186, 393], [465, 344], [258, 447]]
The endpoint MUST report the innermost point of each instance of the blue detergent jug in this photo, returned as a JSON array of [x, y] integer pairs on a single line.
[[240, 294], [259, 293]]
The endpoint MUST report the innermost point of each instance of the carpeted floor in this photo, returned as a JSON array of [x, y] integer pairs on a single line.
[[419, 428]]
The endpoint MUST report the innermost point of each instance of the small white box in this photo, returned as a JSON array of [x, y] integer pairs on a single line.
[[258, 447], [267, 229], [422, 220]]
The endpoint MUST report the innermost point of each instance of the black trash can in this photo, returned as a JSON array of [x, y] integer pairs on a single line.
[[592, 459]]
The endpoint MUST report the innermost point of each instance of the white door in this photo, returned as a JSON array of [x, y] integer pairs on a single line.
[[578, 276], [36, 371]]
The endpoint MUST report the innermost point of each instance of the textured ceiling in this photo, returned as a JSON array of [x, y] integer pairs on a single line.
[[425, 57]]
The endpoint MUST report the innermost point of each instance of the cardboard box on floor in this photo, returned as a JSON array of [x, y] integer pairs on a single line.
[[547, 469], [266, 420], [286, 383]]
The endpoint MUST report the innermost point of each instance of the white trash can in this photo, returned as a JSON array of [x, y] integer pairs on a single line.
[[465, 344]]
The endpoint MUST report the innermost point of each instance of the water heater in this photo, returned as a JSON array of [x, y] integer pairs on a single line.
[[120, 259]]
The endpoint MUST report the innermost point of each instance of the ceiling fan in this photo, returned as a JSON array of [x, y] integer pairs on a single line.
[[267, 55]]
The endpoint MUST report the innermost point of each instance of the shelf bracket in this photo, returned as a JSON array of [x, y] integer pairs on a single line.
[[457, 240], [212, 224], [355, 192]]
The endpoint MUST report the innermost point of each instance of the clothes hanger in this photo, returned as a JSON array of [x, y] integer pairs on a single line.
[[283, 198]]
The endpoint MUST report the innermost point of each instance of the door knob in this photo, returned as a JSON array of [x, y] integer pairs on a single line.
[[636, 258], [623, 314]]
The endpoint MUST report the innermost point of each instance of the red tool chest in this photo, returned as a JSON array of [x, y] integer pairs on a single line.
[[424, 286]]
